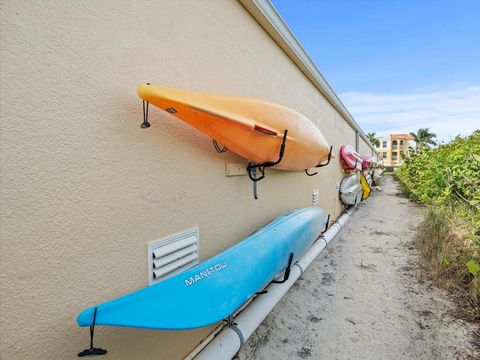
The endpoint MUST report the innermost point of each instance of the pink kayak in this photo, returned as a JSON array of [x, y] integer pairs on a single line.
[[367, 161], [351, 160]]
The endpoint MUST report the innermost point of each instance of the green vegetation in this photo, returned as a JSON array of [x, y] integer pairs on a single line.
[[372, 137], [389, 170], [447, 180]]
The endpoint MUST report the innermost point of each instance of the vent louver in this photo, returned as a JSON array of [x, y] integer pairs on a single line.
[[171, 255], [315, 196]]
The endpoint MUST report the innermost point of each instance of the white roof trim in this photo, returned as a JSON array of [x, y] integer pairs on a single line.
[[267, 16]]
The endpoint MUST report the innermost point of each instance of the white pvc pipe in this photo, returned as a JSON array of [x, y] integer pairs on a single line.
[[227, 342]]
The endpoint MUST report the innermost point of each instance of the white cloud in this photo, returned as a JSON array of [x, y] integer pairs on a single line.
[[446, 113]]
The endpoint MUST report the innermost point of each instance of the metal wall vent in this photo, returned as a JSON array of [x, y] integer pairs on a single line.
[[171, 255], [315, 196]]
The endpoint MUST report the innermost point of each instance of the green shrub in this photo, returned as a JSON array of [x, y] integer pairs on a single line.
[[389, 169], [447, 180], [449, 172]]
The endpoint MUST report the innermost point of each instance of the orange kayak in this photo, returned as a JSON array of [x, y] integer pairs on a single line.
[[251, 128]]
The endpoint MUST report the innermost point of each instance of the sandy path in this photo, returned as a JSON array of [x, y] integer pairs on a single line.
[[361, 299]]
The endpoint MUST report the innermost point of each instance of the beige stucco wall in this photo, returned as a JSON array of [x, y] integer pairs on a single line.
[[83, 188], [365, 149]]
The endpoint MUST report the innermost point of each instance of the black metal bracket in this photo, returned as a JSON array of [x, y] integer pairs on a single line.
[[327, 224], [252, 168], [218, 148], [264, 165], [145, 123], [286, 274], [306, 172], [321, 165], [328, 160], [252, 172], [92, 351]]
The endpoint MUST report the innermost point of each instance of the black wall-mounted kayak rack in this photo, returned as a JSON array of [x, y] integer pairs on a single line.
[[261, 167], [321, 165], [286, 274], [252, 168]]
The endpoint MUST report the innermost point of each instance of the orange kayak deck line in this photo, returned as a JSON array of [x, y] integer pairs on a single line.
[[251, 128]]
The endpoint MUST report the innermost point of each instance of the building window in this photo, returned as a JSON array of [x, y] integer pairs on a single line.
[[384, 144], [384, 155]]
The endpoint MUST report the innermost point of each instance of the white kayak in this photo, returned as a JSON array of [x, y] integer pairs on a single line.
[[351, 189], [377, 176]]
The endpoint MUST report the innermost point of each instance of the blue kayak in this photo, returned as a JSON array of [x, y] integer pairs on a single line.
[[212, 290]]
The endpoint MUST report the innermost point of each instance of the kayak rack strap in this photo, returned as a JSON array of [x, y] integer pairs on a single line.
[[92, 351], [252, 168], [233, 325], [254, 173], [321, 165]]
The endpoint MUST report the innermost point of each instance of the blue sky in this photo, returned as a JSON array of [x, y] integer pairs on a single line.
[[396, 65]]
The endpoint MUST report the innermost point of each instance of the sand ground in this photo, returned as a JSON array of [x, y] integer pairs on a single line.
[[362, 298]]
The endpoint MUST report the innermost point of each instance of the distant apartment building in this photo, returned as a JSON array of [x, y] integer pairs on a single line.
[[394, 148]]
